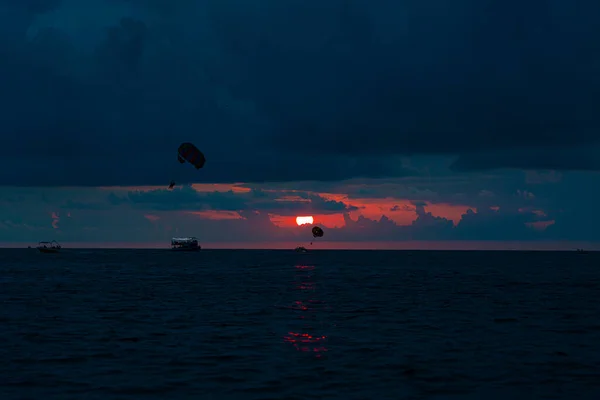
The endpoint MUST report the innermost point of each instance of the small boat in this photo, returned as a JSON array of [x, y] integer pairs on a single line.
[[185, 244], [49, 247], [301, 249], [581, 251]]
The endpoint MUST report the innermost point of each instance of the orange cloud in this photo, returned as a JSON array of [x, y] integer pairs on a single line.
[[151, 217], [540, 225], [55, 219], [451, 212], [539, 213], [402, 212], [221, 187]]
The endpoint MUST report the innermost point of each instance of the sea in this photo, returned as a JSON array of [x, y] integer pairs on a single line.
[[280, 325]]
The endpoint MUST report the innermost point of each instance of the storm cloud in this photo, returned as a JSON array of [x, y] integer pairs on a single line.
[[102, 93]]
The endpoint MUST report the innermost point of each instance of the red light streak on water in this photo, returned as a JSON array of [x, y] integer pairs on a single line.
[[303, 340]]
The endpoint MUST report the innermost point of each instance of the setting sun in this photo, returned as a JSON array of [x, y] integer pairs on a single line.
[[304, 220]]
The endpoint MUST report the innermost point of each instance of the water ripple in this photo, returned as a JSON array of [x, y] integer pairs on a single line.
[[279, 325]]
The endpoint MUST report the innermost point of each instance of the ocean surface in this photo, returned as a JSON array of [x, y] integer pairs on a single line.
[[250, 324]]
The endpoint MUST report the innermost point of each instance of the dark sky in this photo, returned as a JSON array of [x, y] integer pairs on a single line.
[[102, 92]]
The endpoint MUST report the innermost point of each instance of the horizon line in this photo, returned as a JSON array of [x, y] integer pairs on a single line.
[[319, 250], [381, 245]]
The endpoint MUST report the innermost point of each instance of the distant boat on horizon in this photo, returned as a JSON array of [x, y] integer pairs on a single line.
[[49, 247], [301, 249], [185, 244]]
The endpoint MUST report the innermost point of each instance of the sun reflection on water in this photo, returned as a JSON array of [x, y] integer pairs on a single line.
[[309, 337]]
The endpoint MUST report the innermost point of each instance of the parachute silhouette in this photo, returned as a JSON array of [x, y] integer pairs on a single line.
[[187, 152], [317, 232], [190, 153]]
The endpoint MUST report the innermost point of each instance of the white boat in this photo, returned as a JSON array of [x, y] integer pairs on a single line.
[[185, 244], [49, 247], [300, 249]]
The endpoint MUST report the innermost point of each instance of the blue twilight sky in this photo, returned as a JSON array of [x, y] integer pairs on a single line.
[[386, 120]]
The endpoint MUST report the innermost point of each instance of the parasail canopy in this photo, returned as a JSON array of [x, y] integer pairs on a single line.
[[317, 232], [190, 153]]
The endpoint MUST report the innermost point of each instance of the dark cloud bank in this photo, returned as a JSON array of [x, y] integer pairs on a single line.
[[294, 90]]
